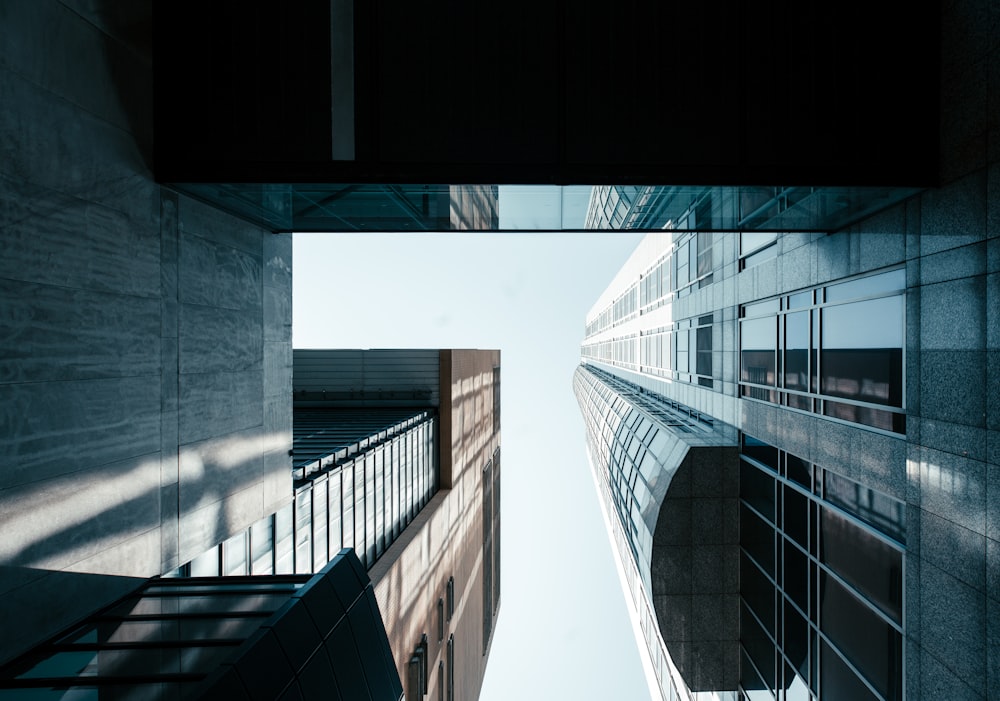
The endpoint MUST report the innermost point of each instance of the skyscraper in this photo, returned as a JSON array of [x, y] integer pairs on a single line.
[[797, 486]]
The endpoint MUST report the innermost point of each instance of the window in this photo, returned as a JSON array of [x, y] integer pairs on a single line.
[[822, 589], [451, 597], [440, 620], [451, 667], [831, 351]]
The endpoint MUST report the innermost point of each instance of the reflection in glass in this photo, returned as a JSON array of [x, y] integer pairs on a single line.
[[862, 351], [871, 644], [757, 349], [796, 366], [868, 563]]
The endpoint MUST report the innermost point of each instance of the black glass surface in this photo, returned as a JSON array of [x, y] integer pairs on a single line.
[[868, 563]]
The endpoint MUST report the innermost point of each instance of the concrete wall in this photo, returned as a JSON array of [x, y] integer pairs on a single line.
[[145, 339]]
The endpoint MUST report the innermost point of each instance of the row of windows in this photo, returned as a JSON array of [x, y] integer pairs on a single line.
[[681, 352], [363, 503], [835, 350], [821, 589]]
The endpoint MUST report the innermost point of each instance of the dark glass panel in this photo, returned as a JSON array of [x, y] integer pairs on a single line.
[[796, 642], [797, 401], [757, 591], [757, 538], [757, 489], [796, 516], [703, 362], [862, 351], [874, 508], [758, 340], [871, 644], [760, 451], [796, 576], [796, 367], [868, 563], [758, 646], [838, 682], [798, 470], [750, 680]]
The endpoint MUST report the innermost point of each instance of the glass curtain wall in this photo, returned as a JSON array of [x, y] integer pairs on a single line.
[[821, 572]]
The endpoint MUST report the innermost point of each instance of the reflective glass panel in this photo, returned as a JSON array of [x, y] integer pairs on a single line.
[[862, 351], [758, 341]]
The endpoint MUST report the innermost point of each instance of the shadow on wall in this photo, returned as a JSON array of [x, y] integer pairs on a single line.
[[127, 31]]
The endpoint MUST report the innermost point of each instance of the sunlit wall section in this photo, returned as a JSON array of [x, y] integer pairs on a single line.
[[357, 493]]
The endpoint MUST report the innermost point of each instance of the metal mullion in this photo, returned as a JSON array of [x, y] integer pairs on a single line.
[[70, 682], [147, 645], [194, 615]]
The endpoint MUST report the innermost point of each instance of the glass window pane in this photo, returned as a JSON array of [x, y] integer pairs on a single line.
[[868, 563], [862, 351], [758, 341], [871, 644], [757, 538], [892, 281], [757, 489], [796, 366]]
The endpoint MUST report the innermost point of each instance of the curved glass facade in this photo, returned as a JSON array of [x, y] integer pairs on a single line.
[[637, 441]]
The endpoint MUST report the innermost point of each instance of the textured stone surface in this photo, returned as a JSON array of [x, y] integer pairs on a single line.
[[954, 549], [952, 386], [954, 488], [953, 625], [952, 315]]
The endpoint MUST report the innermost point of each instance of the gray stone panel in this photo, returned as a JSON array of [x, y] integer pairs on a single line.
[[993, 306], [220, 340], [993, 570], [954, 215], [993, 500], [992, 390], [52, 428], [57, 333], [879, 461], [953, 488], [966, 441], [953, 264], [110, 504], [938, 682], [952, 386], [954, 549], [952, 315], [57, 239], [219, 403], [216, 275], [992, 646], [953, 625]]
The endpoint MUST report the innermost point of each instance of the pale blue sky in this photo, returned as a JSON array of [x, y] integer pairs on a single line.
[[563, 630]]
